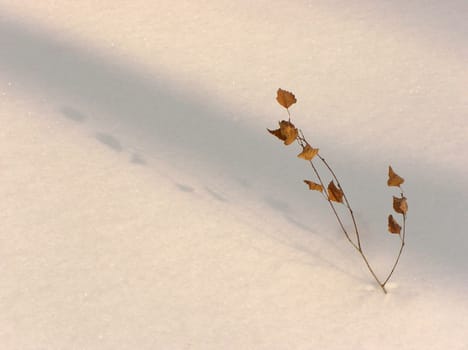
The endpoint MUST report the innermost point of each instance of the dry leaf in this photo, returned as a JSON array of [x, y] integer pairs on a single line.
[[400, 205], [334, 193], [287, 132], [285, 98], [393, 226], [393, 178], [314, 186], [308, 152], [277, 133]]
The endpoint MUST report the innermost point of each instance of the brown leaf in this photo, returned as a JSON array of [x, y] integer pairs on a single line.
[[393, 226], [277, 133], [308, 152], [314, 186], [287, 132], [285, 98], [400, 205], [334, 193], [393, 178]]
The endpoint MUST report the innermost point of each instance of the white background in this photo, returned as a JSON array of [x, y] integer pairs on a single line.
[[144, 205]]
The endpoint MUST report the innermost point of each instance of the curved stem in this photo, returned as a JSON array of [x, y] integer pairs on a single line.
[[358, 246], [345, 198], [399, 253], [333, 208]]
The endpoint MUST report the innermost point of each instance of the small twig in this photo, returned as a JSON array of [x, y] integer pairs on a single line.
[[402, 245], [334, 209], [345, 198]]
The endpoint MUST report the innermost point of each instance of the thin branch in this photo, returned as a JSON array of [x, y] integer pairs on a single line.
[[358, 247], [346, 200], [333, 208], [402, 240]]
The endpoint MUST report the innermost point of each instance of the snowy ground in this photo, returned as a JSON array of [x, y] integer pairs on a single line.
[[144, 206]]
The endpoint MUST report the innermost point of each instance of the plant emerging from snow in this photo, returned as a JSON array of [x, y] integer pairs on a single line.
[[335, 194]]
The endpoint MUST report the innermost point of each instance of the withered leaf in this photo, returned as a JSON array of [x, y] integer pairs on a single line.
[[308, 152], [400, 205], [393, 178], [334, 193], [393, 226], [285, 98], [314, 186], [277, 133], [287, 132]]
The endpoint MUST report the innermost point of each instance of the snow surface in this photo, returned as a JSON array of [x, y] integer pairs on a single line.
[[144, 206]]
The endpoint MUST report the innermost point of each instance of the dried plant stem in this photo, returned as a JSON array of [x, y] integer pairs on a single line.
[[288, 133], [396, 262], [358, 247], [333, 208], [348, 206], [303, 142], [402, 245]]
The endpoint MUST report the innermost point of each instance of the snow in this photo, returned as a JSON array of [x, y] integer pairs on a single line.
[[145, 206]]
